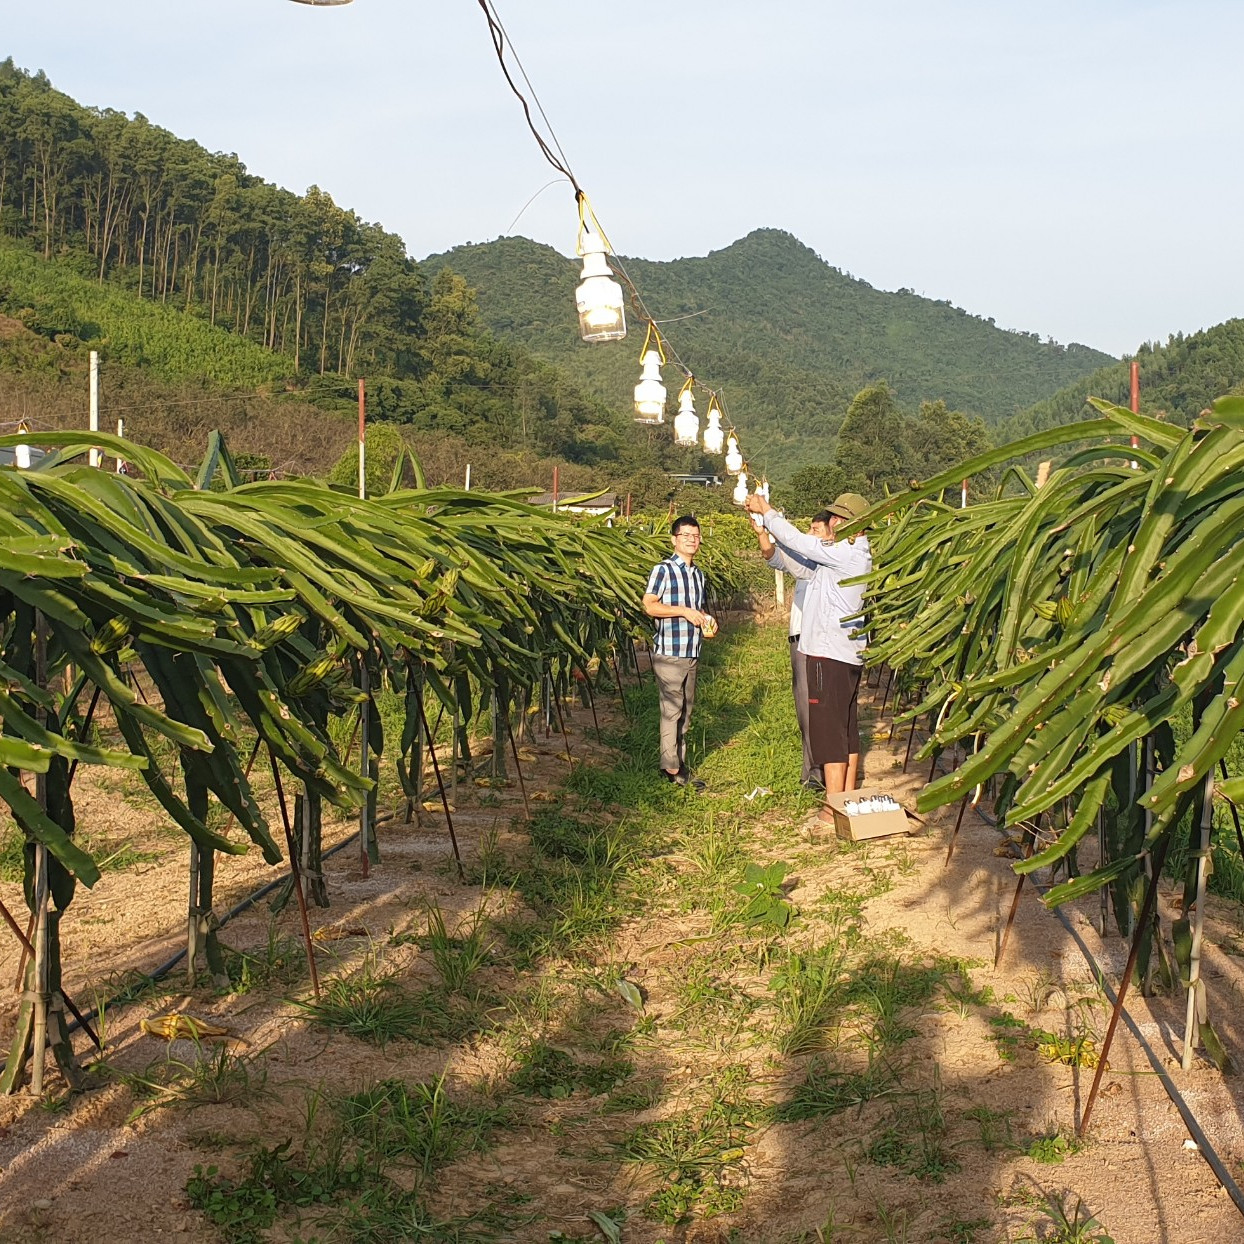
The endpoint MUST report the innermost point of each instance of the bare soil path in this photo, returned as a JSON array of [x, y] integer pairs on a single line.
[[912, 1102]]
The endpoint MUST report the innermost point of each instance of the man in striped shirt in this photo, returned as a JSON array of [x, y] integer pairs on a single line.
[[675, 599]]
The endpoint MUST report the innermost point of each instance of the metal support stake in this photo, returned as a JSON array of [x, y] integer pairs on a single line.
[[440, 786], [297, 875], [1145, 911]]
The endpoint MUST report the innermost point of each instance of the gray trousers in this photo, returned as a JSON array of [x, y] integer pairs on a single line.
[[799, 688], [676, 679]]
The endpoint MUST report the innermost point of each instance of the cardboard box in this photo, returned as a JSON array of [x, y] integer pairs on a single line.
[[868, 824]]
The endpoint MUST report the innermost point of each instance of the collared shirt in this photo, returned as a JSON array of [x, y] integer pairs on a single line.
[[677, 582], [830, 610], [778, 560]]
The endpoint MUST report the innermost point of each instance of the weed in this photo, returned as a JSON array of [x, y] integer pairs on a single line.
[[766, 907], [372, 1006], [828, 1091], [459, 957], [962, 1230], [714, 849], [386, 1214], [217, 1077], [808, 989], [367, 1005], [962, 994], [626, 1100], [546, 1071], [1052, 1147], [914, 1139], [893, 1222], [1078, 1226], [417, 1123], [282, 961], [995, 1127], [274, 1178], [881, 989], [1039, 992], [1008, 1035], [1076, 1050], [697, 1154]]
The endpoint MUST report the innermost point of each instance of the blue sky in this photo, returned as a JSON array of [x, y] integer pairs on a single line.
[[1069, 169]]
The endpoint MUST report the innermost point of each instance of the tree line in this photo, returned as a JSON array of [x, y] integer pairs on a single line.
[[126, 205]]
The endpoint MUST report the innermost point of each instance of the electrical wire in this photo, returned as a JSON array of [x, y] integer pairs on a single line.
[[553, 152], [500, 40]]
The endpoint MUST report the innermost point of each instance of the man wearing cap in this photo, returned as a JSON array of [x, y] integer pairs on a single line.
[[826, 639], [812, 775]]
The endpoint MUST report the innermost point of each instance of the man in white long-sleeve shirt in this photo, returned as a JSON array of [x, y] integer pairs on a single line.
[[834, 654], [812, 775]]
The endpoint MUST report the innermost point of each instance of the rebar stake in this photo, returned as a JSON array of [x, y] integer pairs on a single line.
[[296, 873], [440, 786]]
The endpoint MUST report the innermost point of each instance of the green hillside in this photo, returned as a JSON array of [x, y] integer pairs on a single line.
[[177, 261], [790, 339], [55, 302], [1179, 380]]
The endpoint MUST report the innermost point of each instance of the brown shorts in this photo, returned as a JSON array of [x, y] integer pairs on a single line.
[[833, 725]]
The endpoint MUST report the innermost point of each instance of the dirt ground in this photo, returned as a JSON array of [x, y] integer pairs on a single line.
[[81, 1169]]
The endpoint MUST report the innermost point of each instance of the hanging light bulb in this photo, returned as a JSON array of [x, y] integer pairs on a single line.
[[762, 490], [740, 489], [713, 435], [21, 451], [602, 314], [734, 459], [650, 392], [686, 422]]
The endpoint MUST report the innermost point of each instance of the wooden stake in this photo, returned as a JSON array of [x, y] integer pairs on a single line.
[[1195, 1016]]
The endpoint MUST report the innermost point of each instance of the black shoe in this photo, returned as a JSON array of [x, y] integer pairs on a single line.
[[696, 784], [813, 785], [678, 779]]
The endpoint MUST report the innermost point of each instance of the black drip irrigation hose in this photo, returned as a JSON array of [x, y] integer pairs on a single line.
[[251, 899], [1203, 1143], [1204, 1146]]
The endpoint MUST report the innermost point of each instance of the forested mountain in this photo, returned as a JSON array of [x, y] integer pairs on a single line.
[[1179, 379], [118, 234], [789, 338]]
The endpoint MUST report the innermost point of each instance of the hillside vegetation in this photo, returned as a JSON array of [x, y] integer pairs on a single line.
[[791, 339], [168, 257], [1177, 380]]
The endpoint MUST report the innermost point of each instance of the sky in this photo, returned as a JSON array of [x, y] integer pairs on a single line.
[[1070, 168]]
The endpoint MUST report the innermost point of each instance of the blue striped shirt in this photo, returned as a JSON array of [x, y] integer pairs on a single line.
[[674, 582]]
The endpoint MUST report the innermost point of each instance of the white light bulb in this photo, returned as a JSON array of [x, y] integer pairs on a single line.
[[734, 459], [740, 489], [686, 422], [601, 306], [650, 392], [714, 437]]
